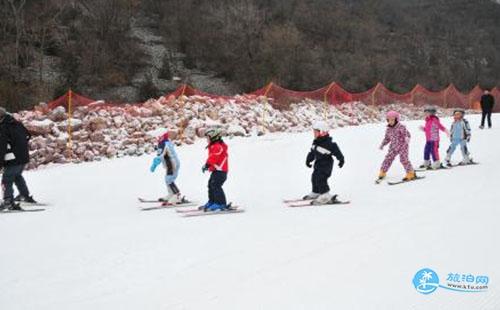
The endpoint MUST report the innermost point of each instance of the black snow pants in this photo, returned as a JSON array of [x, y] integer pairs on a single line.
[[320, 181], [13, 175], [486, 115], [215, 191]]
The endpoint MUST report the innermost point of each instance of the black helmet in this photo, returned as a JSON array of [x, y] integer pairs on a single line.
[[430, 109]]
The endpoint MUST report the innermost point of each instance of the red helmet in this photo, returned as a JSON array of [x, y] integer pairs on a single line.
[[163, 137]]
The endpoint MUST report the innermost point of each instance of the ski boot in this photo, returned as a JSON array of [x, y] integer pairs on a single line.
[[170, 196], [437, 165], [322, 199], [216, 207], [174, 199], [28, 199], [466, 161], [447, 160], [463, 163], [227, 207], [204, 207], [425, 165], [410, 176], [9, 204], [310, 196], [334, 200], [184, 200], [381, 175]]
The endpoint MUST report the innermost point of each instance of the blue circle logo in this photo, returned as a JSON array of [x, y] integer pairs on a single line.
[[426, 281]]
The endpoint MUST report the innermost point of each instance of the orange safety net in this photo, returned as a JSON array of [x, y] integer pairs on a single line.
[[75, 99], [188, 91], [333, 93], [283, 97]]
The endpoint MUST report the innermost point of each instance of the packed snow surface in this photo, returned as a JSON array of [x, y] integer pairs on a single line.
[[94, 249]]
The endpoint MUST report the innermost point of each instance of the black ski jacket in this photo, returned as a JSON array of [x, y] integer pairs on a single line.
[[14, 137], [321, 153], [487, 103]]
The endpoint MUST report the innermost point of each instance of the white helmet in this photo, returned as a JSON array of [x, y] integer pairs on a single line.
[[214, 133], [320, 126]]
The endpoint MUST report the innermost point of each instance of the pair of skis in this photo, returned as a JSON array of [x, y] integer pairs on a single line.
[[23, 206], [446, 167], [201, 212], [424, 169], [442, 167], [299, 203], [187, 212], [460, 164], [420, 177]]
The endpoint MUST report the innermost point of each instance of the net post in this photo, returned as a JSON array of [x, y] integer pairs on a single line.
[[374, 92], [445, 97], [469, 104], [266, 103], [181, 106], [325, 100], [412, 95], [69, 125]]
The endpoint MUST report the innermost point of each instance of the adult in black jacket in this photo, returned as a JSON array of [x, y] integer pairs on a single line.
[[487, 103], [14, 155], [321, 153]]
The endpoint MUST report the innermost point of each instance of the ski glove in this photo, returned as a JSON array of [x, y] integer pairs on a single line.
[[341, 163], [205, 168], [156, 162], [309, 159]]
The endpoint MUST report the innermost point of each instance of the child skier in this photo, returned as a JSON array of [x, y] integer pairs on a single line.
[[459, 135], [399, 138], [432, 127], [167, 156], [321, 153], [217, 164]]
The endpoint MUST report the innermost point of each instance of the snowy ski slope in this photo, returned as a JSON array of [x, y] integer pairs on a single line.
[[93, 249]]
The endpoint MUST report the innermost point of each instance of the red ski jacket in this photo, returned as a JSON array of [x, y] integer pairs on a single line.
[[217, 156]]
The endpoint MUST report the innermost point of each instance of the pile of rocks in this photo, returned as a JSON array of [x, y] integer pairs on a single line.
[[99, 131]]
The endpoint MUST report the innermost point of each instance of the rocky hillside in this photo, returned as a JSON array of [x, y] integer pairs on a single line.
[[132, 50]]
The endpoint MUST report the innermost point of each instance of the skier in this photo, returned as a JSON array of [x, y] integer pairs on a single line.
[[432, 127], [166, 155], [14, 155], [217, 164], [487, 104], [321, 153], [460, 135], [399, 138]]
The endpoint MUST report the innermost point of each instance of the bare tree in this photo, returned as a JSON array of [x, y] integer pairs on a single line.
[[17, 9]]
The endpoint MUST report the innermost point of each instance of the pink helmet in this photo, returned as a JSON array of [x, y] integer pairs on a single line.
[[393, 114]]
